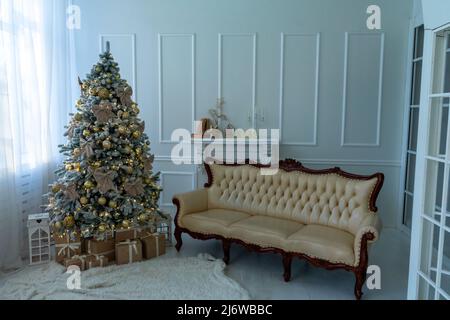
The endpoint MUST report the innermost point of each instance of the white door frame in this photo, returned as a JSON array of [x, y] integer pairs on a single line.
[[420, 182]]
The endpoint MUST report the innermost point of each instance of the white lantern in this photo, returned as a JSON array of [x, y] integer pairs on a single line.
[[39, 238], [164, 226]]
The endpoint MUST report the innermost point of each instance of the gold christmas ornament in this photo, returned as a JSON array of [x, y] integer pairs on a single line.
[[69, 222], [68, 167], [103, 93], [136, 134], [86, 133], [102, 228], [143, 218], [78, 117], [122, 130], [84, 200], [92, 91], [56, 188], [126, 224], [112, 204], [96, 164], [106, 144], [125, 115], [88, 184], [57, 225], [102, 201]]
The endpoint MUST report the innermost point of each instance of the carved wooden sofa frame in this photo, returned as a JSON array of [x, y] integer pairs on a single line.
[[288, 165]]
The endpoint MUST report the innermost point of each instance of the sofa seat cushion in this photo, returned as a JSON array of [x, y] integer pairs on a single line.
[[264, 231], [323, 242], [213, 221]]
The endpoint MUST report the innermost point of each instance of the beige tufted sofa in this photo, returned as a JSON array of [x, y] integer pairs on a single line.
[[324, 216]]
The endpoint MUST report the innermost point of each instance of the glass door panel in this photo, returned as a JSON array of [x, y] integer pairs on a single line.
[[433, 269], [413, 113]]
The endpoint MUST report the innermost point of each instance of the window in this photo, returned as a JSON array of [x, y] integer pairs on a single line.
[[413, 110]]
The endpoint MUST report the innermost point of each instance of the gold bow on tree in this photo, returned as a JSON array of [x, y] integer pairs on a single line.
[[141, 127], [134, 188], [87, 148], [103, 112], [71, 130], [124, 93], [148, 163], [70, 192], [104, 180]]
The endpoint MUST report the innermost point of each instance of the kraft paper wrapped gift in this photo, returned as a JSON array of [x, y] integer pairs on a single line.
[[131, 234], [101, 248], [153, 245], [128, 251], [96, 261], [85, 262], [66, 246]]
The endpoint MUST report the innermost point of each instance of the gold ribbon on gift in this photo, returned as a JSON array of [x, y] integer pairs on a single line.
[[66, 248], [132, 246], [156, 235]]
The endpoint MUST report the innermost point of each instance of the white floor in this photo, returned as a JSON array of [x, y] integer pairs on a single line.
[[261, 274]]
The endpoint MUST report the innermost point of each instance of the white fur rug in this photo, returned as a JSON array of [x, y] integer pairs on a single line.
[[162, 278]]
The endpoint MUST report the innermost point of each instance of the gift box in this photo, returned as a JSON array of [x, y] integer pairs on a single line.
[[77, 260], [66, 246], [128, 251], [87, 261], [97, 261], [153, 245], [101, 248], [131, 234]]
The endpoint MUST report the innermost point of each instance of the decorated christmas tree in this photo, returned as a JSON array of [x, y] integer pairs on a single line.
[[106, 182]]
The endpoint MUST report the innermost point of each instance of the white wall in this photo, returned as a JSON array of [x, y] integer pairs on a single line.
[[435, 13], [362, 133]]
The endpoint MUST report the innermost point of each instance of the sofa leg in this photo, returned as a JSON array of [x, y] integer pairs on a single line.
[[360, 276], [226, 251], [179, 239], [287, 261]]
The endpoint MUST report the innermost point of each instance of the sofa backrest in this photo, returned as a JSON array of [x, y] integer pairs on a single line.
[[328, 197]]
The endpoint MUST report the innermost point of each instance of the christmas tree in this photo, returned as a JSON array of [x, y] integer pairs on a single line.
[[106, 181]]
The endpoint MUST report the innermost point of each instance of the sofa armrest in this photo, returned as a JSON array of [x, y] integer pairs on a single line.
[[194, 201], [369, 231]]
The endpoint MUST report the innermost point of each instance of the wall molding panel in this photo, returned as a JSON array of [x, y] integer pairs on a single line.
[[284, 37], [132, 37], [331, 162], [161, 37], [252, 37], [175, 173], [345, 98]]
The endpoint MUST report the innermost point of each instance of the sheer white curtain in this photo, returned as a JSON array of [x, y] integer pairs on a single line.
[[37, 88]]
